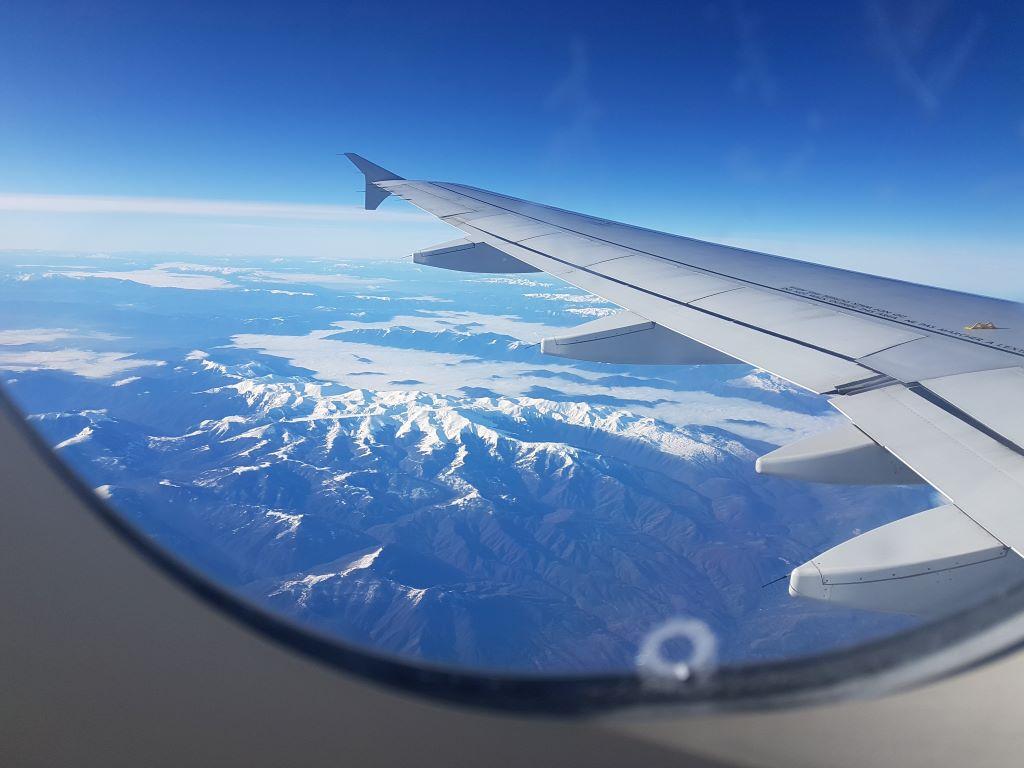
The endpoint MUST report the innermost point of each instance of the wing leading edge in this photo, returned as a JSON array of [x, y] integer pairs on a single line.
[[930, 378]]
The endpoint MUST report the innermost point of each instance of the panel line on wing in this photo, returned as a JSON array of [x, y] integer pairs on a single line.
[[937, 400]]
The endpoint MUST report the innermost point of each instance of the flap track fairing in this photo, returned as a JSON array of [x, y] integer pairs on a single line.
[[467, 256], [843, 455], [925, 564], [628, 338]]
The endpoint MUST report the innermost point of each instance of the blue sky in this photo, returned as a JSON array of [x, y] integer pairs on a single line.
[[887, 137]]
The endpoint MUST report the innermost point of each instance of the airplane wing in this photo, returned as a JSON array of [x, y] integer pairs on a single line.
[[931, 380]]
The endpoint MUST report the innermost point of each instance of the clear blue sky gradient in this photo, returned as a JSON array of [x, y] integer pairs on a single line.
[[827, 122]]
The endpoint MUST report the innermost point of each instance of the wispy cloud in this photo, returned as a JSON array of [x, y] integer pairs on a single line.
[[154, 278], [375, 366], [81, 362], [753, 78], [198, 277], [572, 100], [22, 337], [178, 206], [927, 57], [207, 227]]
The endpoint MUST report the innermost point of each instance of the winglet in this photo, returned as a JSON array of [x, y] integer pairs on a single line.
[[373, 172]]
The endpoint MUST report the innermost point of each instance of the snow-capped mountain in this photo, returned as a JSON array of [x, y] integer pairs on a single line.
[[511, 531], [401, 467]]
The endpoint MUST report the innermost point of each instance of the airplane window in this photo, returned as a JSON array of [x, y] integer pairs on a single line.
[[244, 364], [380, 450]]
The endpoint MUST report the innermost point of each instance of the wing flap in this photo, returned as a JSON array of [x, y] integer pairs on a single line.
[[983, 475], [993, 398]]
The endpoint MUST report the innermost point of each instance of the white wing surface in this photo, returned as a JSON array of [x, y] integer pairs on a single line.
[[932, 380]]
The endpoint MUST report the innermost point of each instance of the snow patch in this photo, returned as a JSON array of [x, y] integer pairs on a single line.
[[764, 381], [291, 521], [155, 277], [520, 281], [572, 298], [307, 583], [81, 437], [592, 311]]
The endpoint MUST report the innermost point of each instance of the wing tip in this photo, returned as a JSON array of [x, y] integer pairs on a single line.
[[371, 171]]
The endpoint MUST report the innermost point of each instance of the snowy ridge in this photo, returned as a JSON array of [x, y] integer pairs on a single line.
[[544, 533], [412, 473]]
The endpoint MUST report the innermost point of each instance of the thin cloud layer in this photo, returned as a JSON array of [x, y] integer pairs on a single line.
[[382, 368], [81, 362], [177, 206]]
